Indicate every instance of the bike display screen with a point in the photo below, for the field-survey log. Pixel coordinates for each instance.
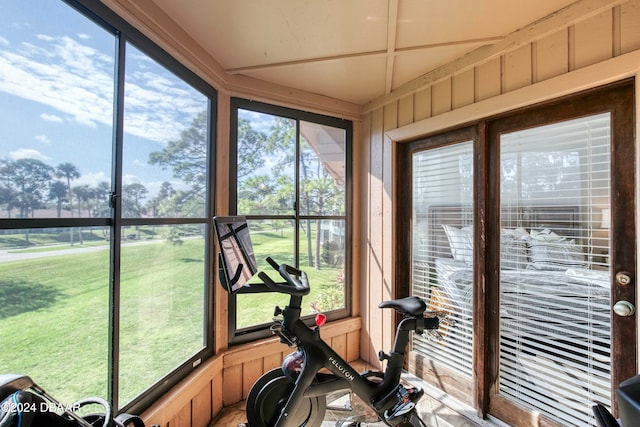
(237, 262)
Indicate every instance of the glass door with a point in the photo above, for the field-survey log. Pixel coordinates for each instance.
(442, 260)
(521, 231)
(560, 347)
(555, 333)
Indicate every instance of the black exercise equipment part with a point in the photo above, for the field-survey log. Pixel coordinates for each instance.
(23, 403)
(296, 394)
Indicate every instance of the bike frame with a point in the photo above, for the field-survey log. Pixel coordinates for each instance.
(309, 383)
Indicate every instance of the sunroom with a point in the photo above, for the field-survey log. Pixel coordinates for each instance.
(478, 155)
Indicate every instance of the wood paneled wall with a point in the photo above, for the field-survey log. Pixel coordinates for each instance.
(589, 35)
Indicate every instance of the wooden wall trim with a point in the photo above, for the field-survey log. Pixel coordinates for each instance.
(599, 74)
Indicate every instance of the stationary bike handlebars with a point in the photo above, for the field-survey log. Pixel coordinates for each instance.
(296, 281)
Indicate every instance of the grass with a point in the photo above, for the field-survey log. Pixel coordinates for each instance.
(54, 316)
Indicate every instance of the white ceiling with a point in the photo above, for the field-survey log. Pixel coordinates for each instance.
(352, 50)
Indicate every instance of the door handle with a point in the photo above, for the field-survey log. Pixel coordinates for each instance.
(624, 308)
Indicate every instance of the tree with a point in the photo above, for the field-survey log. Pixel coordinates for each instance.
(26, 182)
(8, 193)
(30, 179)
(251, 149)
(69, 172)
(84, 195)
(159, 204)
(319, 194)
(187, 157)
(273, 191)
(58, 193)
(132, 195)
(102, 208)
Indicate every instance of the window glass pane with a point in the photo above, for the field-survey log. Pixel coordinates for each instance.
(442, 248)
(56, 78)
(322, 170)
(322, 252)
(162, 310)
(265, 164)
(54, 310)
(165, 142)
(555, 336)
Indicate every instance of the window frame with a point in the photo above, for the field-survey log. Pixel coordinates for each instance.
(124, 34)
(255, 332)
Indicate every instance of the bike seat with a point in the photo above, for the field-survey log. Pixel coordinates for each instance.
(412, 306)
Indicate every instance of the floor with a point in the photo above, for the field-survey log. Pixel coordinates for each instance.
(434, 412)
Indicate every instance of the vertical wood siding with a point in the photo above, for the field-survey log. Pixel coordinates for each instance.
(558, 51)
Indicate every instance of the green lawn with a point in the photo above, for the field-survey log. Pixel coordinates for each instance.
(258, 308)
(54, 318)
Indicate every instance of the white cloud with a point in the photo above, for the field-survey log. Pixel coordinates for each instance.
(27, 153)
(76, 80)
(92, 179)
(84, 36)
(128, 179)
(51, 118)
(44, 37)
(43, 138)
(4, 42)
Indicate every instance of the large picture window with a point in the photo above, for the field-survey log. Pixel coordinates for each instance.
(292, 184)
(104, 206)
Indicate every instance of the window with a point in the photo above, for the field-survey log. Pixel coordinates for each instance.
(105, 206)
(292, 184)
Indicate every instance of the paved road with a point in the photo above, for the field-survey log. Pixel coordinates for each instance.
(13, 255)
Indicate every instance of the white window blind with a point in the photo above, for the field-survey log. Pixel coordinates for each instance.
(442, 243)
(554, 268)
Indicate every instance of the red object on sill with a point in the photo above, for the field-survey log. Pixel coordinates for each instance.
(321, 319)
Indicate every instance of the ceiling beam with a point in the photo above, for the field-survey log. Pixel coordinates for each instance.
(392, 32)
(241, 70)
(386, 53)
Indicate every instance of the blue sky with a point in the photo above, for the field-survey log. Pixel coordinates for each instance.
(56, 95)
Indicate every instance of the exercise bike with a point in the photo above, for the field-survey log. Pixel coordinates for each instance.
(296, 394)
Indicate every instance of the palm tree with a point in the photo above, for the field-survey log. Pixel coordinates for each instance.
(69, 172)
(84, 194)
(58, 192)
